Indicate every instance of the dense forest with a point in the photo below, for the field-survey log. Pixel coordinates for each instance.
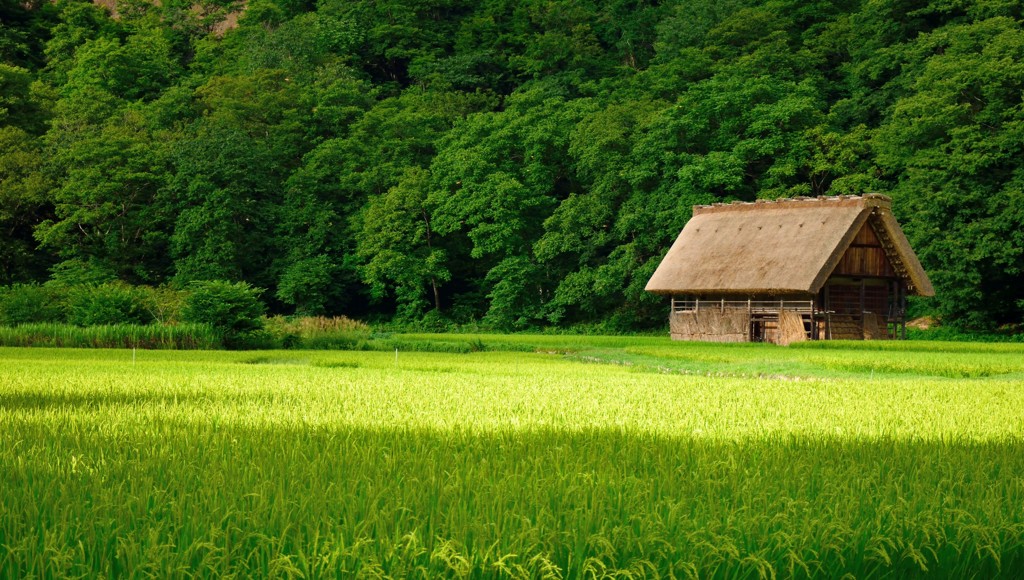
(517, 163)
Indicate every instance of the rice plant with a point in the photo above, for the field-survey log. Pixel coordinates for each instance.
(508, 464)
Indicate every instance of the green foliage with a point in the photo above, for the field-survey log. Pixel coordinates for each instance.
(78, 23)
(228, 175)
(23, 202)
(30, 303)
(397, 244)
(24, 31)
(108, 211)
(18, 108)
(317, 333)
(517, 163)
(232, 309)
(959, 136)
(953, 334)
(108, 304)
(149, 336)
(139, 68)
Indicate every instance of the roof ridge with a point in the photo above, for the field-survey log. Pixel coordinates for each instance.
(866, 200)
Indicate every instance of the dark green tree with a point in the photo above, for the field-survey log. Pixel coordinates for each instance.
(399, 247)
(229, 173)
(24, 202)
(108, 205)
(954, 148)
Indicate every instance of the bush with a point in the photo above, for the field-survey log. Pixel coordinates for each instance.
(107, 304)
(165, 304)
(953, 334)
(317, 332)
(31, 304)
(233, 309)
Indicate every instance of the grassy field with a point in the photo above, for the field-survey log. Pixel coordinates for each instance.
(592, 457)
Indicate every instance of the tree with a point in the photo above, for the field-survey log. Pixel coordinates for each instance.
(496, 178)
(24, 31)
(78, 23)
(954, 147)
(19, 107)
(230, 170)
(399, 248)
(226, 187)
(108, 204)
(139, 68)
(521, 161)
(579, 235)
(23, 203)
(232, 309)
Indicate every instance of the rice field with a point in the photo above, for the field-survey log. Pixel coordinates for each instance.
(531, 457)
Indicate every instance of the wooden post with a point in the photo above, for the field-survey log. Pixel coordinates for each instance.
(812, 324)
(903, 312)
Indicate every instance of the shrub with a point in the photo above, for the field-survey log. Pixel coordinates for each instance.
(110, 303)
(165, 304)
(317, 332)
(233, 309)
(29, 304)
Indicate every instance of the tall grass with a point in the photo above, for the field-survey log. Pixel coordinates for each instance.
(317, 332)
(150, 336)
(503, 464)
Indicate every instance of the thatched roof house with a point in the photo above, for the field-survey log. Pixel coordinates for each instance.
(842, 263)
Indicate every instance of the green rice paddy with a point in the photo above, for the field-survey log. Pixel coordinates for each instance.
(533, 456)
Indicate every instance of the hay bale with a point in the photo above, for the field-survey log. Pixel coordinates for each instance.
(871, 329)
(791, 328)
(845, 327)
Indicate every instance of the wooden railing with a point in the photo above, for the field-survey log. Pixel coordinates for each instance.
(752, 306)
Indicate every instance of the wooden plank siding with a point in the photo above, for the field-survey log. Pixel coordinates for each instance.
(865, 257)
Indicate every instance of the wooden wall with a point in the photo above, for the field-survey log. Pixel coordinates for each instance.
(864, 280)
(865, 257)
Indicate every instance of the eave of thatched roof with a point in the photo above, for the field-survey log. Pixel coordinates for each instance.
(778, 248)
(917, 279)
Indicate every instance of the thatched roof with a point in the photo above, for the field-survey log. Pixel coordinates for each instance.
(788, 246)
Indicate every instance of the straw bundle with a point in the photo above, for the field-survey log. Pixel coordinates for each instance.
(711, 325)
(871, 329)
(791, 328)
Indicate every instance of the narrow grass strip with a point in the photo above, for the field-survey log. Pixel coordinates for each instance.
(178, 337)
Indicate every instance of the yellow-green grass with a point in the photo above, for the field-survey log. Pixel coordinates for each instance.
(332, 464)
